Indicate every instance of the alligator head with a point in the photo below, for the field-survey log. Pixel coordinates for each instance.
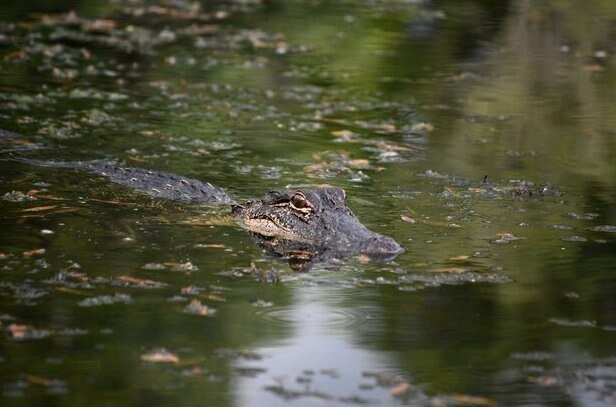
(312, 221)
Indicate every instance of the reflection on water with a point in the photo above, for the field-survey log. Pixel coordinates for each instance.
(319, 359)
(477, 134)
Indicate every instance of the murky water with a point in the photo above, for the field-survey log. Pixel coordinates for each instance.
(479, 135)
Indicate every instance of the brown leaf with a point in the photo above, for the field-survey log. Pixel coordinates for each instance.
(460, 257)
(190, 290)
(593, 68)
(99, 25)
(17, 331)
(39, 208)
(35, 252)
(400, 389)
(51, 197)
(408, 219)
(216, 298)
(38, 380)
(472, 400)
(69, 290)
(197, 308)
(160, 356)
(111, 202)
(507, 236)
(140, 281)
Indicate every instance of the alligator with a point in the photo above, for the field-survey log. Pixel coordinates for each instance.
(305, 226)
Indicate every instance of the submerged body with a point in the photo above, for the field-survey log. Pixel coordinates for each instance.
(318, 217)
(306, 224)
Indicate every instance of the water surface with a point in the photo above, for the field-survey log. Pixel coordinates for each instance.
(479, 135)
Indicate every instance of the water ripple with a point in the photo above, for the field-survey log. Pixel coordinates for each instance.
(307, 315)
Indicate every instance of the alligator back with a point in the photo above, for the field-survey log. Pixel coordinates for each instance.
(154, 183)
(162, 184)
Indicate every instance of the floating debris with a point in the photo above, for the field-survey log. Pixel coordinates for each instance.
(462, 400)
(400, 389)
(18, 196)
(72, 332)
(534, 356)
(559, 227)
(153, 266)
(197, 308)
(35, 252)
(139, 282)
(504, 238)
(160, 355)
(582, 216)
(191, 290)
(24, 332)
(187, 267)
(574, 238)
(54, 386)
(567, 323)
(408, 219)
(106, 300)
(262, 304)
(604, 228)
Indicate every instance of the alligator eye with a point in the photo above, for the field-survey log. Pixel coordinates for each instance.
(298, 200)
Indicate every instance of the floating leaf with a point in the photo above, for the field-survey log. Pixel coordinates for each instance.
(400, 389)
(211, 246)
(35, 252)
(25, 332)
(216, 298)
(191, 290)
(408, 219)
(160, 356)
(197, 308)
(261, 304)
(472, 400)
(105, 300)
(460, 257)
(188, 266)
(40, 208)
(17, 196)
(141, 282)
(604, 228)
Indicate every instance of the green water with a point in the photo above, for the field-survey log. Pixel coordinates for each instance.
(506, 291)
